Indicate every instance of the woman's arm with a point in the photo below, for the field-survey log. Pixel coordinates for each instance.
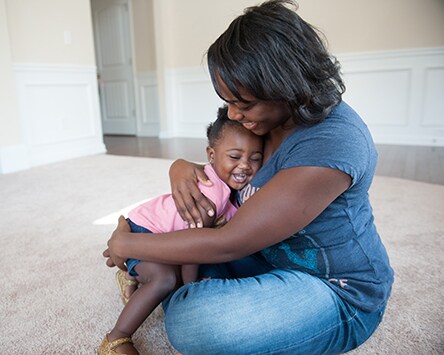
(286, 204)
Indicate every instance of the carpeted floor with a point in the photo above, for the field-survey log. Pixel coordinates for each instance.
(58, 297)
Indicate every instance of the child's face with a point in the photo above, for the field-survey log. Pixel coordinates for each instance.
(237, 156)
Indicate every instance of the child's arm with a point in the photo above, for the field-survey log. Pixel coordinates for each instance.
(189, 272)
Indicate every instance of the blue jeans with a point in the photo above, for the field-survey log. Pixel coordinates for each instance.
(131, 263)
(263, 311)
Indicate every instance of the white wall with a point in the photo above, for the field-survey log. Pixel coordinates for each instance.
(392, 55)
(50, 91)
(12, 152)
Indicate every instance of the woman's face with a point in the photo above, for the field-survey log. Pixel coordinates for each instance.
(260, 117)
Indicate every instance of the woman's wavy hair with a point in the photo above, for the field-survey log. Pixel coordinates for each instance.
(276, 56)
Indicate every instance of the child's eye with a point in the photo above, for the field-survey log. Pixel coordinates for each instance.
(235, 157)
(257, 158)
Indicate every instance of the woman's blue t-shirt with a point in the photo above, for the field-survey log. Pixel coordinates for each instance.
(341, 246)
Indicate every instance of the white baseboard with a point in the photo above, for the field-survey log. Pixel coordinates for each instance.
(59, 112)
(399, 94)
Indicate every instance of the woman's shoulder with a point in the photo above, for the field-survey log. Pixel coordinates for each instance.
(342, 124)
(343, 114)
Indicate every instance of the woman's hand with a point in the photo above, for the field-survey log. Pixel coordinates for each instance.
(110, 253)
(184, 176)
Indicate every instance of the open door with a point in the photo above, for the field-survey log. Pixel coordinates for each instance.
(112, 38)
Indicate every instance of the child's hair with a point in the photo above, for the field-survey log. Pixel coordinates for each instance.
(215, 129)
(276, 56)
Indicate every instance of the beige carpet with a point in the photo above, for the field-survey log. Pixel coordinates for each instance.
(58, 297)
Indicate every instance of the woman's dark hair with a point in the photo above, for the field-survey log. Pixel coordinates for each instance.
(215, 129)
(275, 55)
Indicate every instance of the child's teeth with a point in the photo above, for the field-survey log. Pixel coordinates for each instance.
(239, 177)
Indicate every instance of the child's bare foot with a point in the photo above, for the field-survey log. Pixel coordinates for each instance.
(127, 285)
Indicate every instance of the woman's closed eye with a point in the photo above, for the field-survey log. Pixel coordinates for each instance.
(245, 108)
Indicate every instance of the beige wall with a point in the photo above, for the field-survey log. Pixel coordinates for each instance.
(37, 31)
(143, 29)
(349, 25)
(37, 28)
(378, 25)
(193, 25)
(33, 31)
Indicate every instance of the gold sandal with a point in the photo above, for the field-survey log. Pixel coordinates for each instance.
(106, 348)
(123, 283)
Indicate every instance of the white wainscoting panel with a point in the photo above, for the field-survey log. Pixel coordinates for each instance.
(399, 94)
(433, 105)
(191, 102)
(148, 117)
(59, 112)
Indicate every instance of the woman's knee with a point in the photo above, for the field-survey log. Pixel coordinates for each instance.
(191, 321)
(250, 315)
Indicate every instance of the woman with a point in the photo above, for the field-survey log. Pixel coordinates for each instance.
(300, 268)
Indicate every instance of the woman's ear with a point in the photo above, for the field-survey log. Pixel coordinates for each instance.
(210, 154)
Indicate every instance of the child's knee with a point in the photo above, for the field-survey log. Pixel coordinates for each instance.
(164, 276)
(168, 280)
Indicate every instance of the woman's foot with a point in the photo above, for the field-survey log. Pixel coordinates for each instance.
(127, 285)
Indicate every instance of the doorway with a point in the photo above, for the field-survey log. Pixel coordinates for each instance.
(114, 57)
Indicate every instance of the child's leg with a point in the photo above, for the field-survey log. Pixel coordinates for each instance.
(156, 282)
(189, 273)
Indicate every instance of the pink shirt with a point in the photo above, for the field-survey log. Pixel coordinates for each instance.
(160, 215)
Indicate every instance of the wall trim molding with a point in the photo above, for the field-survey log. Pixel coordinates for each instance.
(64, 68)
(391, 54)
(59, 113)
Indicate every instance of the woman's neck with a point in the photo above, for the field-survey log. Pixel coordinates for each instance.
(275, 138)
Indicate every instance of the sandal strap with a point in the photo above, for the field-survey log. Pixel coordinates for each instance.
(117, 342)
(130, 282)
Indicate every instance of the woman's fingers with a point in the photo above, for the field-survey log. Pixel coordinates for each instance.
(187, 196)
(186, 207)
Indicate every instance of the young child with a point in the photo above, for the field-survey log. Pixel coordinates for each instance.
(235, 155)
